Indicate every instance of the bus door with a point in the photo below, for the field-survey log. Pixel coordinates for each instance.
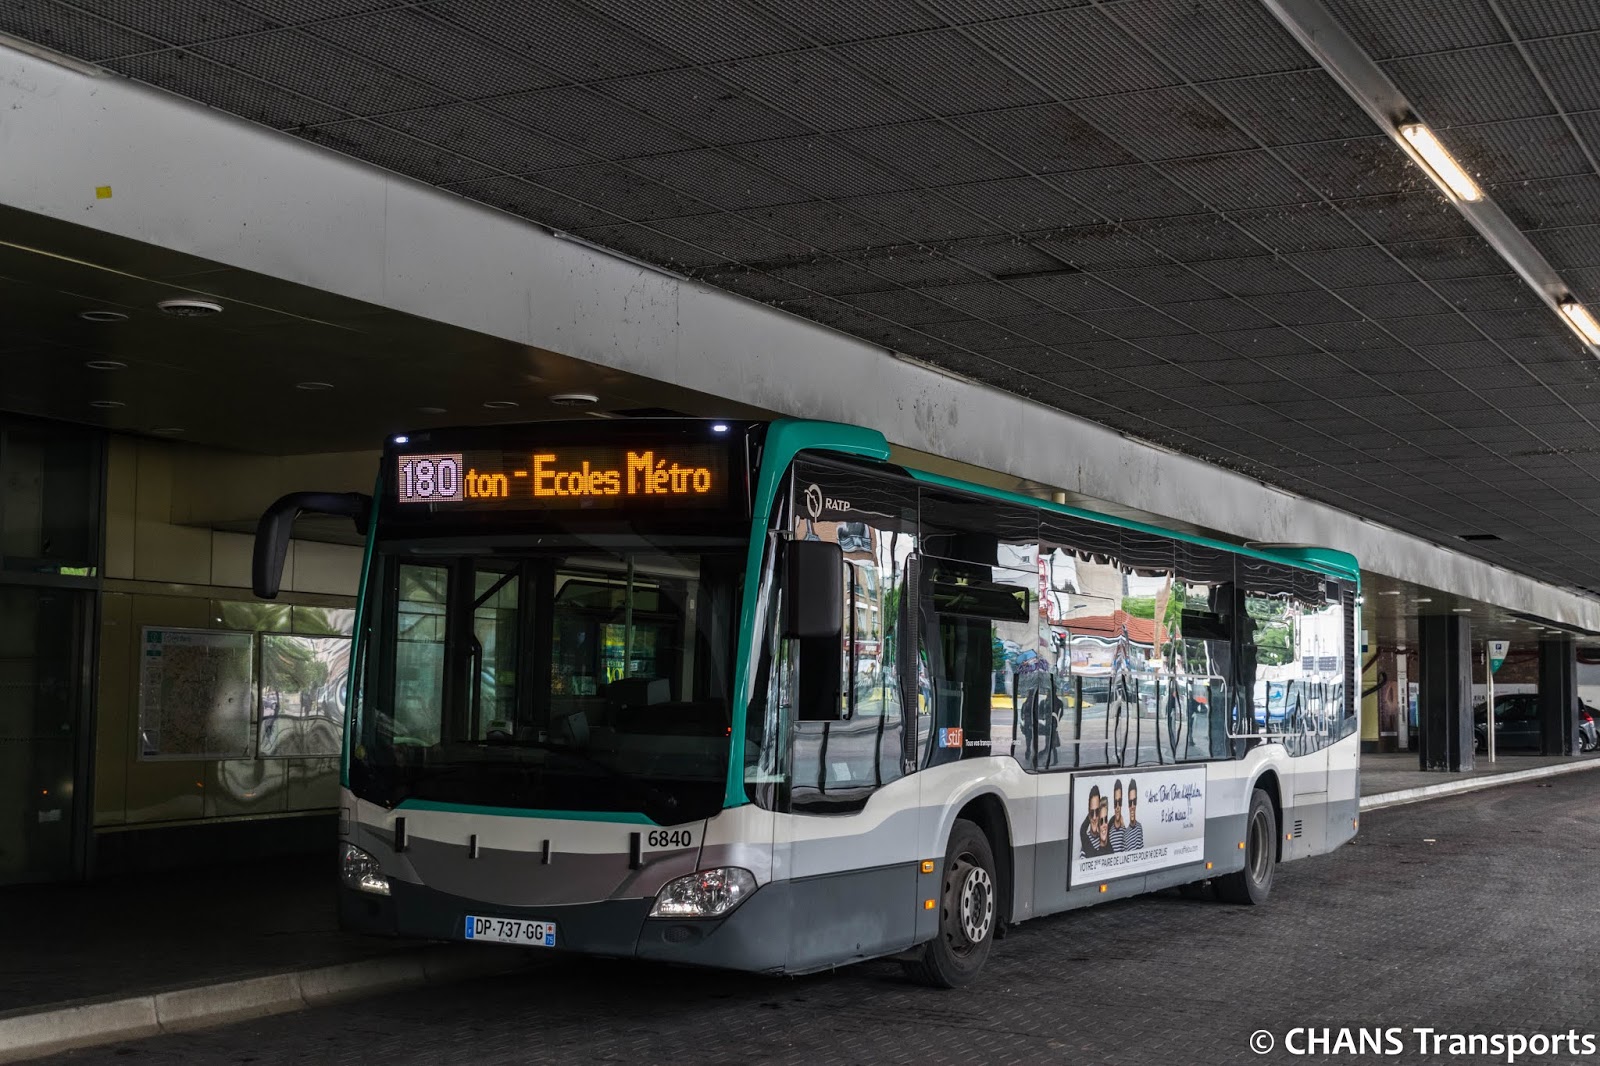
(1281, 660)
(848, 844)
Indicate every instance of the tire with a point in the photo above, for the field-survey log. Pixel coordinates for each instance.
(969, 911)
(1252, 885)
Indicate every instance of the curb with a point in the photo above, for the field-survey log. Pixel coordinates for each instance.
(86, 1024)
(1471, 784)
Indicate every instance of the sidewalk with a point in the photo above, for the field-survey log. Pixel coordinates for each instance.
(1389, 780)
(123, 958)
(185, 927)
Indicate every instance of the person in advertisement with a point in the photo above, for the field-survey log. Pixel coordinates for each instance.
(1133, 832)
(1115, 830)
(1094, 835)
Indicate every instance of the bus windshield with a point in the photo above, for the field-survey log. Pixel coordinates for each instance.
(572, 673)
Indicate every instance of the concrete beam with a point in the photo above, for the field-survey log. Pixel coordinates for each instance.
(195, 180)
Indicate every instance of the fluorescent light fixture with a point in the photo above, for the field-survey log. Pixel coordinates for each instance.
(720, 427)
(1581, 320)
(402, 439)
(1424, 599)
(1390, 592)
(1462, 610)
(1446, 171)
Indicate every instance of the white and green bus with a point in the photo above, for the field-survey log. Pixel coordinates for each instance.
(752, 695)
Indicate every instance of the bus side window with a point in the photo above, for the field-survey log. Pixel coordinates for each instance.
(1199, 649)
(1295, 622)
(1082, 587)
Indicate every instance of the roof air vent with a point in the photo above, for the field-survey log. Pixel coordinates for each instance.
(189, 307)
(574, 399)
(1477, 536)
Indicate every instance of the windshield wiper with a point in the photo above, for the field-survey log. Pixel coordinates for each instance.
(404, 790)
(654, 800)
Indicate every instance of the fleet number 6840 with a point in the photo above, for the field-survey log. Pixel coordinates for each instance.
(670, 838)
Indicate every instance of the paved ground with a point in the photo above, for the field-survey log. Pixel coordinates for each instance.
(1470, 915)
(141, 934)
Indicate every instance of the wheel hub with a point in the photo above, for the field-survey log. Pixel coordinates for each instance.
(976, 909)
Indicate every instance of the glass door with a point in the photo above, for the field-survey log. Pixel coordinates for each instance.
(43, 633)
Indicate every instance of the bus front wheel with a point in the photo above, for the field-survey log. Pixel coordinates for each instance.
(969, 910)
(1253, 884)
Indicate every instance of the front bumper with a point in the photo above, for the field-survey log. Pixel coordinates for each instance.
(750, 938)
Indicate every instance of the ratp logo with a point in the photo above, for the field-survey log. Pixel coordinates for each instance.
(814, 501)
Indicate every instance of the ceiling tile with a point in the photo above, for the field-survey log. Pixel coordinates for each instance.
(1481, 85)
(1237, 180)
(701, 106)
(943, 72)
(1569, 64)
(1164, 123)
(1221, 39)
(1073, 54)
(1386, 29)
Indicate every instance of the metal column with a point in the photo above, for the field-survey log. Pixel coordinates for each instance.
(1444, 698)
(1558, 696)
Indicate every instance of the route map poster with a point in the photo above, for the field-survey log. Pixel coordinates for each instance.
(1135, 821)
(195, 689)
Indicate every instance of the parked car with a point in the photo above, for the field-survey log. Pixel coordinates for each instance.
(1516, 723)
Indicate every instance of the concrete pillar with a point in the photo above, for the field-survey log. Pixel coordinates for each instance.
(1558, 695)
(1444, 697)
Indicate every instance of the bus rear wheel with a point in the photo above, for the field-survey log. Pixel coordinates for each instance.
(1253, 884)
(969, 908)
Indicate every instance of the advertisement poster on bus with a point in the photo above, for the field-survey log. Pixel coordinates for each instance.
(1136, 821)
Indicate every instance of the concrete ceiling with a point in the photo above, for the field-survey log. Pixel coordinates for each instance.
(283, 369)
(1161, 215)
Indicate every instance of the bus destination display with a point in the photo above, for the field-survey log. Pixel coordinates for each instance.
(689, 475)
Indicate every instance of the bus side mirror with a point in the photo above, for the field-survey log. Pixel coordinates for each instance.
(813, 590)
(276, 528)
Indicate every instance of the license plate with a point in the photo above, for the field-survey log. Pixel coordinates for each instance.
(511, 931)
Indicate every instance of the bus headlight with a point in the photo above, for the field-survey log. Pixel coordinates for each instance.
(707, 894)
(361, 871)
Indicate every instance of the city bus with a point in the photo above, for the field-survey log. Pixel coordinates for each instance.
(753, 695)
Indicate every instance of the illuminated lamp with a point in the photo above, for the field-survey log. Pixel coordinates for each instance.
(1581, 320)
(1443, 166)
